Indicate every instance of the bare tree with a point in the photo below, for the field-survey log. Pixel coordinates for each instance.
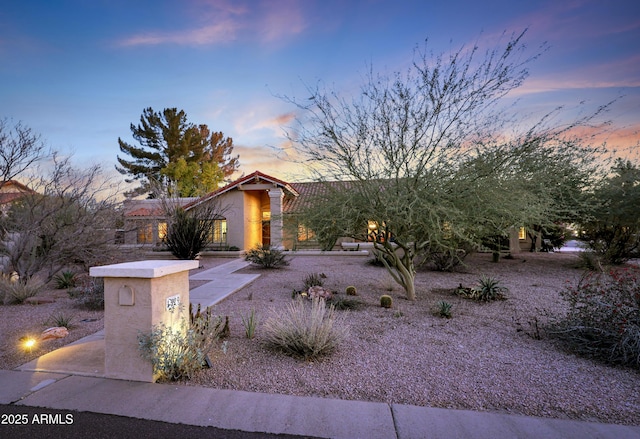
(68, 222)
(20, 148)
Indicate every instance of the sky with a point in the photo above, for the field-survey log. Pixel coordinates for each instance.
(80, 72)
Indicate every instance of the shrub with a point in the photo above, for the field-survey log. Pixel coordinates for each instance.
(61, 320)
(488, 289)
(313, 280)
(603, 320)
(177, 353)
(351, 291)
(386, 301)
(187, 234)
(267, 257)
(14, 292)
(65, 280)
(91, 295)
(306, 331)
(443, 309)
(342, 303)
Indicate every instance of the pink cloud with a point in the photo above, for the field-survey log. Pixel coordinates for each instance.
(221, 21)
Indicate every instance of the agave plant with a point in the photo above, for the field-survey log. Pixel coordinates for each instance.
(488, 289)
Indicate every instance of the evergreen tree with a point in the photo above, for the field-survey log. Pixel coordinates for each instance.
(173, 149)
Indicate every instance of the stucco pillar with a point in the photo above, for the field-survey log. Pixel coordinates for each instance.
(139, 296)
(276, 196)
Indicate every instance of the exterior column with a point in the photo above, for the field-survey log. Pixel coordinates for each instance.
(514, 241)
(276, 196)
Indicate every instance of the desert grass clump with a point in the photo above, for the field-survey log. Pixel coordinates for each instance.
(267, 257)
(61, 320)
(17, 291)
(305, 330)
(343, 303)
(313, 280)
(386, 301)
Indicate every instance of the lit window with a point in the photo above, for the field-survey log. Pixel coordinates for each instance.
(522, 233)
(162, 231)
(145, 234)
(305, 233)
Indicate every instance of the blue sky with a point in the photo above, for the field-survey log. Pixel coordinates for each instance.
(80, 72)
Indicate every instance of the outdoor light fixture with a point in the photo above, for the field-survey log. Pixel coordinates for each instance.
(28, 343)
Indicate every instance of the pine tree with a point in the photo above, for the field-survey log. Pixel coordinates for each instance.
(171, 146)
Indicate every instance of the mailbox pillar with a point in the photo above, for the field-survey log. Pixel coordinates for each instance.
(137, 297)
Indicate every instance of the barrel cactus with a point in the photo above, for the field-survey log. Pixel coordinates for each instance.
(386, 301)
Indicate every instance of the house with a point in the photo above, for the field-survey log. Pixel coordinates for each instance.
(252, 210)
(11, 191)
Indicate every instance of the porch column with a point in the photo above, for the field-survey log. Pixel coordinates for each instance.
(514, 241)
(276, 196)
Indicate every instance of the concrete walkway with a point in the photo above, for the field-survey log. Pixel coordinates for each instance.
(223, 281)
(72, 378)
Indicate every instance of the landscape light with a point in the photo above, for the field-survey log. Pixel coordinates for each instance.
(29, 343)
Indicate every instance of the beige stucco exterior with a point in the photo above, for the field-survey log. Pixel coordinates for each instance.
(135, 302)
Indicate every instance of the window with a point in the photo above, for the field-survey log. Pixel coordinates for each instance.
(305, 233)
(522, 233)
(145, 233)
(218, 232)
(162, 231)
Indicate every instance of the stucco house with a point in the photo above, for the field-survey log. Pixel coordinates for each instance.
(253, 210)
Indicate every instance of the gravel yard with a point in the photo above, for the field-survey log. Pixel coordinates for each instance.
(488, 356)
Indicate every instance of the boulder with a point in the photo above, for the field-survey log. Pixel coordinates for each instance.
(53, 333)
(318, 291)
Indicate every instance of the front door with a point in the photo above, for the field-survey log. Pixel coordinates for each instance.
(266, 233)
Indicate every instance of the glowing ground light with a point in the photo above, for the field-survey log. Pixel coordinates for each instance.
(29, 343)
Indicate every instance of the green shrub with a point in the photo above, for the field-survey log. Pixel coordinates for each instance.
(487, 289)
(177, 353)
(65, 280)
(15, 292)
(603, 319)
(267, 257)
(305, 330)
(443, 309)
(351, 291)
(187, 233)
(313, 280)
(342, 303)
(386, 301)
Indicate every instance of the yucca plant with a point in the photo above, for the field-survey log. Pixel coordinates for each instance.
(488, 289)
(65, 280)
(443, 309)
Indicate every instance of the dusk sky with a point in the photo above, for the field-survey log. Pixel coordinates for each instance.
(80, 72)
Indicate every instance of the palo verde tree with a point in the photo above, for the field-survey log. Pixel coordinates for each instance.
(177, 154)
(415, 148)
(613, 228)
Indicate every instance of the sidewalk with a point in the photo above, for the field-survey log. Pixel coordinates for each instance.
(72, 378)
